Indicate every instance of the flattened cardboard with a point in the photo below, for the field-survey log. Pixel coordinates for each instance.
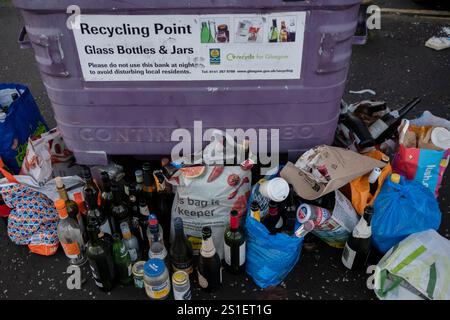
(343, 166)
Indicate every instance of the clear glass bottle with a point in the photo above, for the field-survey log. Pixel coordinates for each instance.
(69, 235)
(157, 249)
(95, 212)
(152, 221)
(131, 242)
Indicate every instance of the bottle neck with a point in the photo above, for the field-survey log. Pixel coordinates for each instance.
(179, 233)
(93, 235)
(63, 193)
(208, 250)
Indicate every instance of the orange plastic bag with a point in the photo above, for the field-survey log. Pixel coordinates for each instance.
(358, 190)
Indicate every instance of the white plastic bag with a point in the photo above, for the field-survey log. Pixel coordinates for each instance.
(415, 269)
(47, 156)
(207, 200)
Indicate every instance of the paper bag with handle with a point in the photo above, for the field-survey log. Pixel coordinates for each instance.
(324, 169)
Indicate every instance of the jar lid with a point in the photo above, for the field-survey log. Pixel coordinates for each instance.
(180, 277)
(138, 268)
(154, 267)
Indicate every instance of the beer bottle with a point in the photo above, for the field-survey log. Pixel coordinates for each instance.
(209, 266)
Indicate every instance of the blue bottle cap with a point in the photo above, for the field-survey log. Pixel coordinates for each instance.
(154, 267)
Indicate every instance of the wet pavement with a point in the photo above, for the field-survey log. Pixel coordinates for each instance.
(394, 63)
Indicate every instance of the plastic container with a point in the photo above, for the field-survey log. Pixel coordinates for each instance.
(295, 87)
(156, 279)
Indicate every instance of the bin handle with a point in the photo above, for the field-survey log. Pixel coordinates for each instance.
(24, 44)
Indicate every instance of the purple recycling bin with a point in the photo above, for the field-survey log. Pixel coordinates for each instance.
(123, 75)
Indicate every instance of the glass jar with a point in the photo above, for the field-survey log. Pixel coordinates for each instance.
(181, 286)
(138, 274)
(156, 279)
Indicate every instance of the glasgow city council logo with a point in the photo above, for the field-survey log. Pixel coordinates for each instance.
(214, 56)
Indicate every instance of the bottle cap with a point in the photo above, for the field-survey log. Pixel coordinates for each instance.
(60, 205)
(385, 158)
(154, 268)
(206, 232)
(395, 178)
(59, 182)
(139, 176)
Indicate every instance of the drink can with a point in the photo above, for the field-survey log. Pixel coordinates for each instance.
(181, 286)
(316, 214)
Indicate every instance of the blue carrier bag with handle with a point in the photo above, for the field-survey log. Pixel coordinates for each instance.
(19, 119)
(402, 209)
(270, 258)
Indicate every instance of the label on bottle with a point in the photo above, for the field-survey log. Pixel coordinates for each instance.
(129, 269)
(95, 275)
(105, 227)
(158, 292)
(202, 280)
(138, 282)
(185, 266)
(182, 295)
(133, 254)
(377, 128)
(348, 256)
(72, 250)
(227, 253)
(144, 211)
(279, 223)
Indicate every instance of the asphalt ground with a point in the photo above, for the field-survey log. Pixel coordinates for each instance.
(394, 63)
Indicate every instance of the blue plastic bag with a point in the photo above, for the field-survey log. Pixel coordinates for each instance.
(269, 257)
(23, 120)
(401, 210)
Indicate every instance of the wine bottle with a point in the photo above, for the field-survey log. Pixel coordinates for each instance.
(89, 183)
(181, 249)
(139, 175)
(234, 245)
(106, 196)
(95, 212)
(148, 189)
(69, 235)
(384, 127)
(357, 248)
(359, 129)
(164, 203)
(100, 258)
(119, 209)
(122, 261)
(283, 32)
(134, 214)
(273, 221)
(209, 266)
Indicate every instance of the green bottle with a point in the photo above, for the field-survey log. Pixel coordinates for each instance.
(122, 261)
(205, 34)
(273, 35)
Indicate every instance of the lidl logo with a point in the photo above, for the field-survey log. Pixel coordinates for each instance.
(214, 56)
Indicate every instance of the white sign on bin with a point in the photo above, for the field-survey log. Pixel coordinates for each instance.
(191, 47)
